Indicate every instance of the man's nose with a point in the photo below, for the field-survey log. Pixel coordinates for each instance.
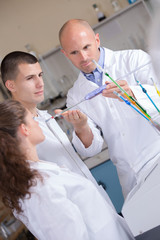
(39, 82)
(83, 55)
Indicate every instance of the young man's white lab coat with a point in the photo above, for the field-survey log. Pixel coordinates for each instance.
(133, 143)
(67, 206)
(58, 149)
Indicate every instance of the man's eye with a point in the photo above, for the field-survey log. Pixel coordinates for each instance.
(74, 52)
(86, 47)
(29, 78)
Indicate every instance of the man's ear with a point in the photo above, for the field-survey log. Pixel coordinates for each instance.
(62, 50)
(97, 39)
(10, 85)
(24, 129)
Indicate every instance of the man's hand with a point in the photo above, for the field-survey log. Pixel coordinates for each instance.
(80, 124)
(75, 117)
(108, 92)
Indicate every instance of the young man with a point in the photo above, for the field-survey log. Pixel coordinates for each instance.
(22, 75)
(133, 143)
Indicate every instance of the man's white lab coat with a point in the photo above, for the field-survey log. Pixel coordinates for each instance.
(66, 206)
(133, 143)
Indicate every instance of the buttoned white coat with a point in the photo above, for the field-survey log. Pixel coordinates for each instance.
(66, 206)
(133, 143)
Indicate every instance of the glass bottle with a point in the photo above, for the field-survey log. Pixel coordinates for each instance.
(116, 6)
(100, 15)
(132, 1)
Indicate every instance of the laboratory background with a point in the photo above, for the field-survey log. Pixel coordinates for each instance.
(33, 26)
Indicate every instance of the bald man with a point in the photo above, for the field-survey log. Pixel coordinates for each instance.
(133, 143)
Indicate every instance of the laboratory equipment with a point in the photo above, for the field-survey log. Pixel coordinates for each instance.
(153, 123)
(130, 104)
(100, 14)
(158, 92)
(141, 207)
(116, 6)
(131, 1)
(89, 96)
(135, 70)
(145, 91)
(130, 98)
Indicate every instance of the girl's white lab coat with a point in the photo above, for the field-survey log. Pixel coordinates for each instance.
(131, 140)
(58, 149)
(67, 206)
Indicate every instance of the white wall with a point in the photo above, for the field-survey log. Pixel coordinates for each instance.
(37, 22)
(155, 5)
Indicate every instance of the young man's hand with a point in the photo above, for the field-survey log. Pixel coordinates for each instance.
(80, 124)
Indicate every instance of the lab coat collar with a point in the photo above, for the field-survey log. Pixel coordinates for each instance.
(83, 81)
(109, 54)
(108, 64)
(42, 113)
(43, 165)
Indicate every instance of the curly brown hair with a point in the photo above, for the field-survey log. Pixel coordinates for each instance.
(16, 176)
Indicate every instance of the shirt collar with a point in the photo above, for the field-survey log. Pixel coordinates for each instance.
(101, 59)
(100, 62)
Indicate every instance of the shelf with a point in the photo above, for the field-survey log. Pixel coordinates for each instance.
(3, 214)
(18, 231)
(7, 214)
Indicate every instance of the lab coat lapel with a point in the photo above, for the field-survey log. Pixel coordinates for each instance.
(56, 130)
(111, 66)
(45, 166)
(95, 108)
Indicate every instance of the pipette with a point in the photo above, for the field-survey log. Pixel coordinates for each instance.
(158, 92)
(145, 91)
(130, 98)
(89, 96)
(130, 104)
(135, 70)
